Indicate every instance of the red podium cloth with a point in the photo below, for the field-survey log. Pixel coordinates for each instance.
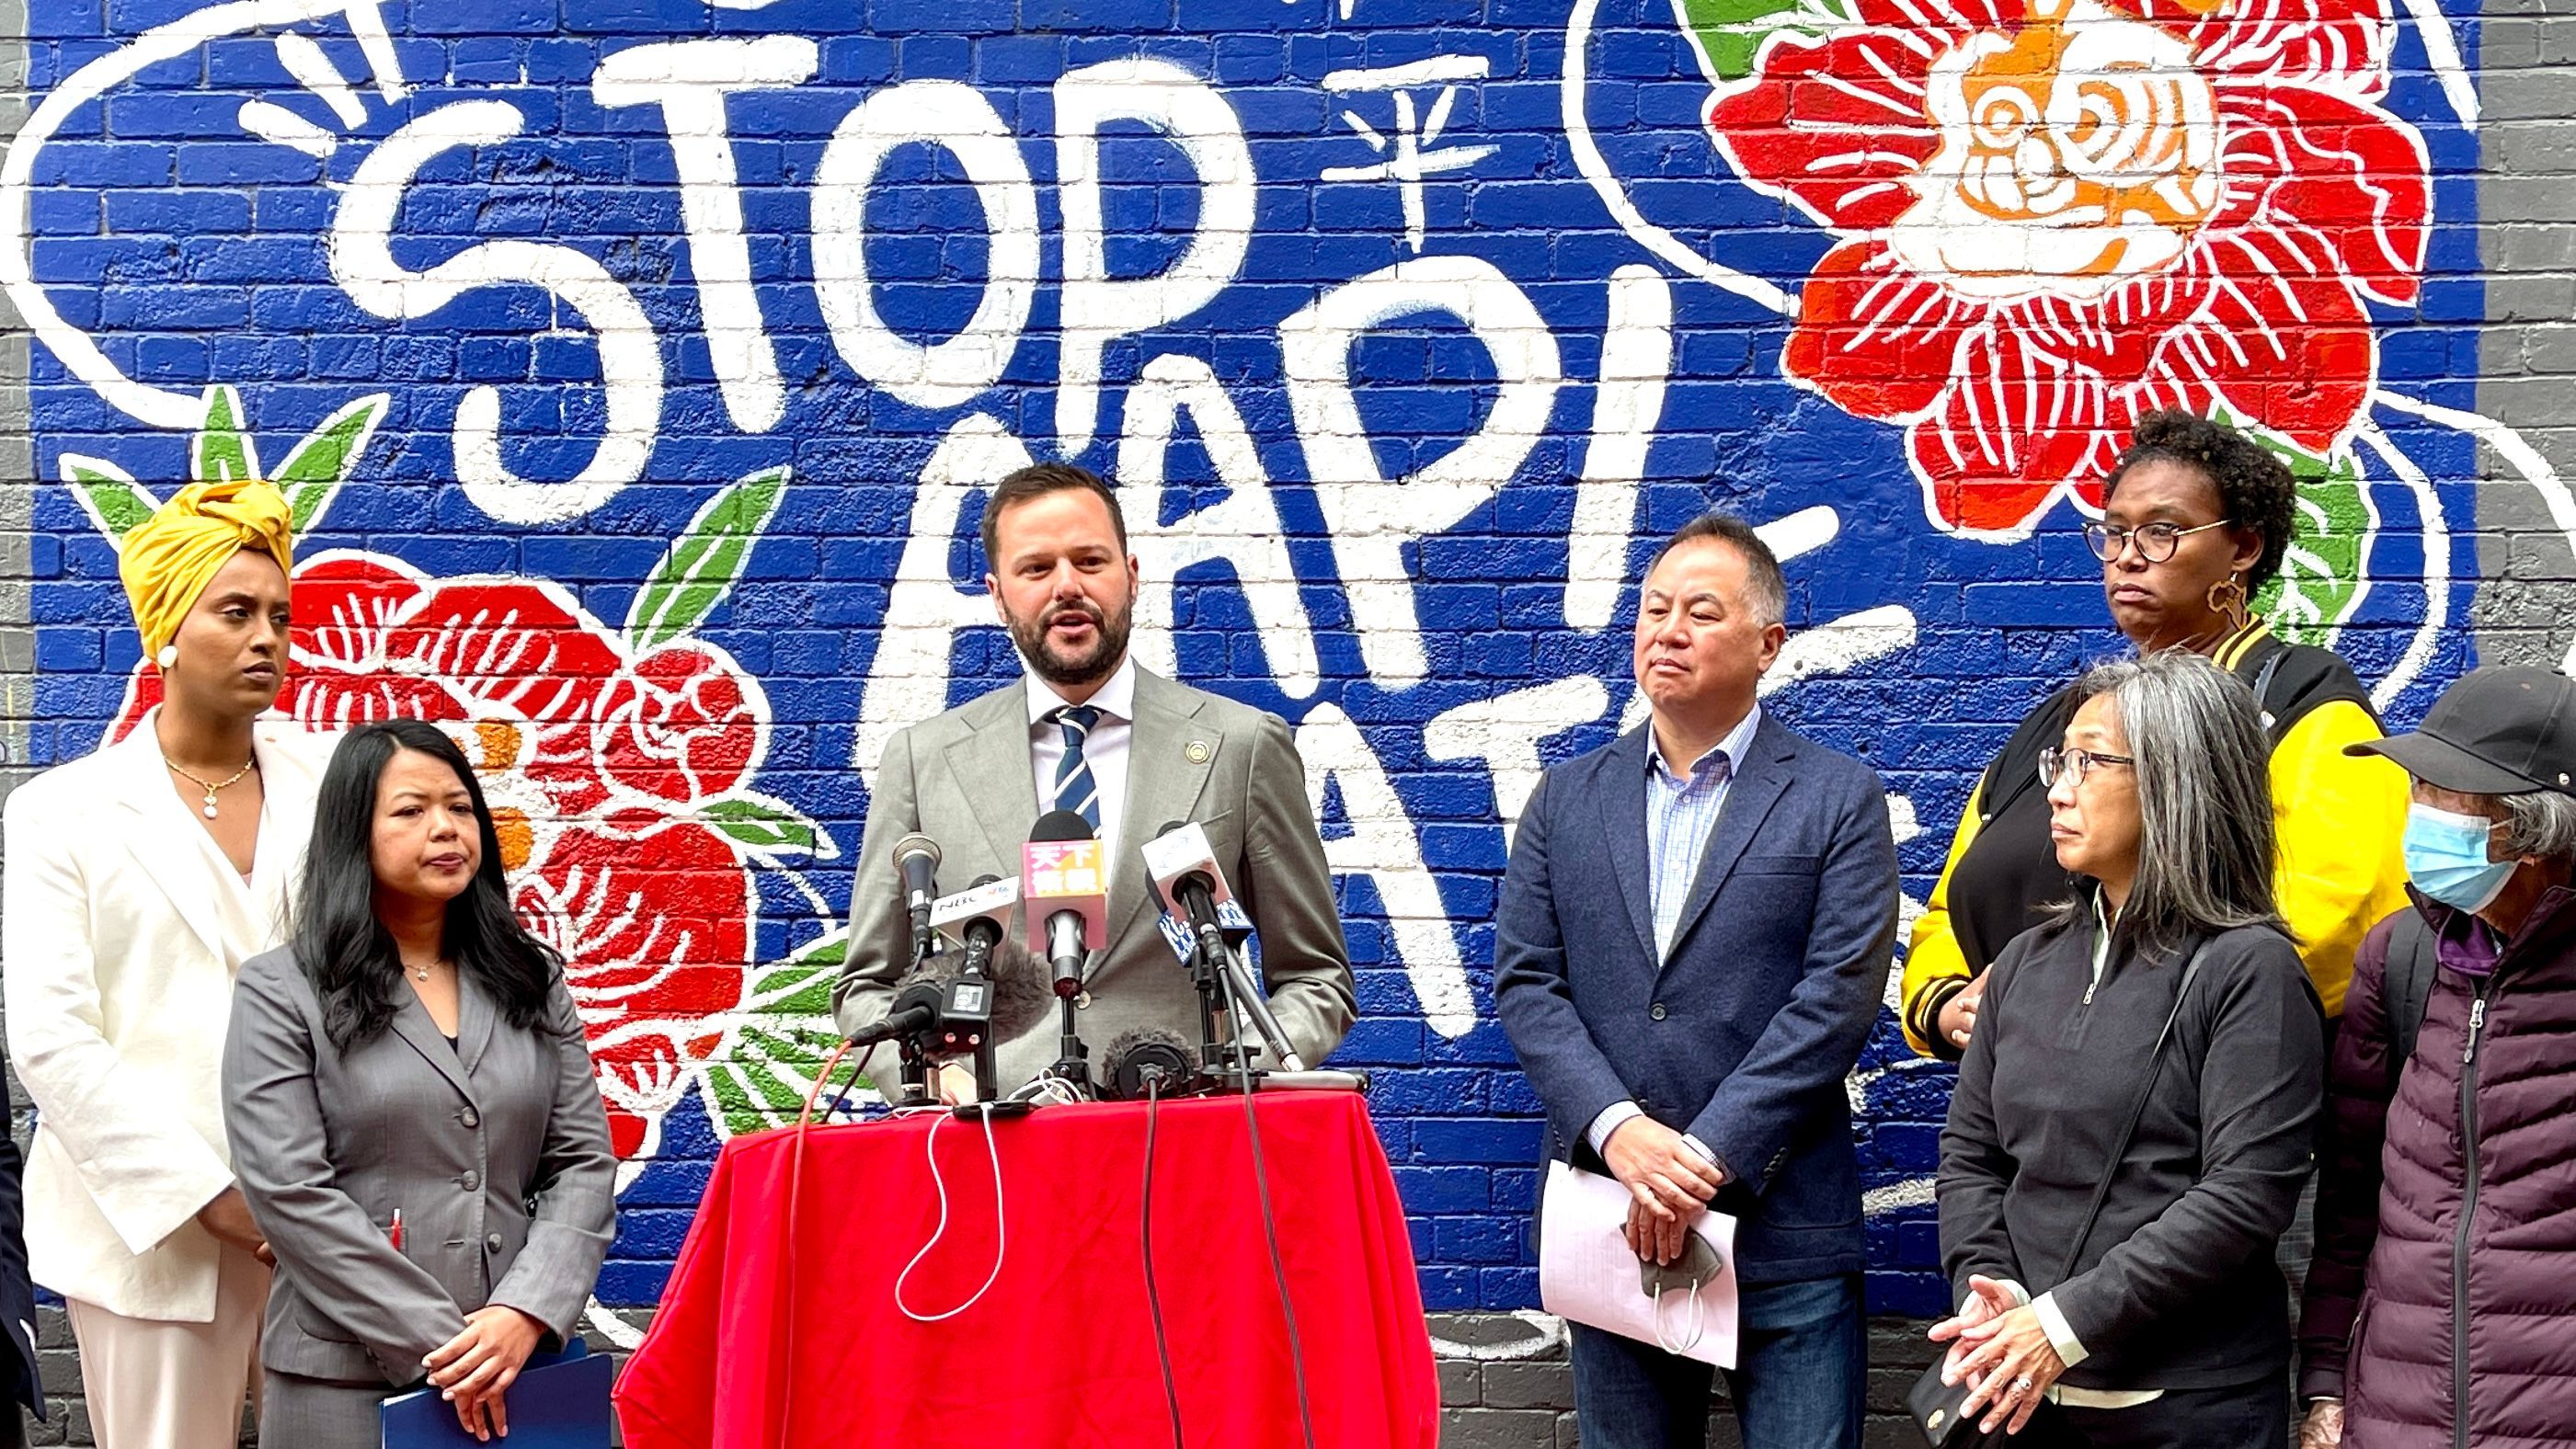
(1059, 1354)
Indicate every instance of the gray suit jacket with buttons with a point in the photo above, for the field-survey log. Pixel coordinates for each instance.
(496, 1151)
(963, 778)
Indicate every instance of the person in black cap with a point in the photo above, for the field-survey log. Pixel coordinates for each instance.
(2440, 1296)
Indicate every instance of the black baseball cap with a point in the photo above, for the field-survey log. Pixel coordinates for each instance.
(2502, 730)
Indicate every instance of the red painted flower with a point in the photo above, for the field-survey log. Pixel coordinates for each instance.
(597, 764)
(2060, 214)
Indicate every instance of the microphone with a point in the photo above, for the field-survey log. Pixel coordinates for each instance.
(1187, 881)
(916, 859)
(1147, 1057)
(1061, 882)
(977, 918)
(920, 999)
(1186, 875)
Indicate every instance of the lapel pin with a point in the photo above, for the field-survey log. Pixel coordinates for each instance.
(1196, 752)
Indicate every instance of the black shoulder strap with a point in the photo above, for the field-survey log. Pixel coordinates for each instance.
(2407, 986)
(2129, 1133)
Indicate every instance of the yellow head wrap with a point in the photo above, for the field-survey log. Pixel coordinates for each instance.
(168, 559)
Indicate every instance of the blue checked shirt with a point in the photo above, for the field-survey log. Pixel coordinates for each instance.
(1681, 815)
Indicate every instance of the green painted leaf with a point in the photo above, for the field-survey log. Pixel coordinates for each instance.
(2321, 582)
(323, 460)
(772, 827)
(1728, 34)
(113, 501)
(223, 448)
(704, 562)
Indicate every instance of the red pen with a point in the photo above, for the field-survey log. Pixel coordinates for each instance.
(396, 1231)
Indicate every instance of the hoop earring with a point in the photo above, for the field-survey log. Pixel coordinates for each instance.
(168, 656)
(2227, 597)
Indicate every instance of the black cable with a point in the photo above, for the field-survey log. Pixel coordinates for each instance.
(1153, 1295)
(1278, 1268)
(843, 1099)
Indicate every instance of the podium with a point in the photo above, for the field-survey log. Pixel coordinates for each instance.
(772, 1333)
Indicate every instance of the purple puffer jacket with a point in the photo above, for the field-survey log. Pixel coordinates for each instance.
(2460, 1197)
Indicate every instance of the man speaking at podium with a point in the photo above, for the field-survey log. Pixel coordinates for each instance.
(1085, 730)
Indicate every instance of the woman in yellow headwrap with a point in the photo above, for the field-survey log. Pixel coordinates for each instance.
(138, 878)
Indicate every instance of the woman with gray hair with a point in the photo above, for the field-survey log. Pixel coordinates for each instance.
(2439, 1306)
(2134, 1116)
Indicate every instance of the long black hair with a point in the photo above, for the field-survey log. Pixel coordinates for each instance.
(347, 953)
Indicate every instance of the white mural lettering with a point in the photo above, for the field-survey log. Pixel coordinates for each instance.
(1627, 406)
(924, 609)
(1381, 845)
(1412, 145)
(630, 360)
(956, 118)
(689, 81)
(1370, 518)
(1099, 308)
(1504, 732)
(1244, 531)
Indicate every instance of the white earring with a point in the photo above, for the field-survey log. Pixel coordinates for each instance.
(168, 656)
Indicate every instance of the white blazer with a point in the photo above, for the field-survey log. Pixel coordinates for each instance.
(117, 959)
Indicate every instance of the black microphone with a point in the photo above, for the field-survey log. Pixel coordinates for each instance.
(916, 858)
(1148, 1057)
(919, 1001)
(1022, 991)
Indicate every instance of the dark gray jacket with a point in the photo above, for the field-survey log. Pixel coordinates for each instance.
(2175, 1287)
(496, 1151)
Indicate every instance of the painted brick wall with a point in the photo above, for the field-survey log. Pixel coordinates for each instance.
(638, 363)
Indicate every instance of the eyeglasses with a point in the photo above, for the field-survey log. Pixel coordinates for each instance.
(2054, 762)
(2156, 541)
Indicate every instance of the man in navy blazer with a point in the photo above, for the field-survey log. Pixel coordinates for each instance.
(1692, 945)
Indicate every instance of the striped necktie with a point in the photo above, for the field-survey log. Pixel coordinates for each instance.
(1075, 790)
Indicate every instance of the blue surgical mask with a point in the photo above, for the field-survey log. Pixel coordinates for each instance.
(2446, 857)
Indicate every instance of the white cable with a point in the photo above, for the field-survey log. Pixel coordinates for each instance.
(1001, 1223)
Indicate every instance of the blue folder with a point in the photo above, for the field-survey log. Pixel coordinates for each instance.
(559, 1401)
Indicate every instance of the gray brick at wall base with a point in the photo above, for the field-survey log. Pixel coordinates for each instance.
(1519, 1396)
(1526, 1400)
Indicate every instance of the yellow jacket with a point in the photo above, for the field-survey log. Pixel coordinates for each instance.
(2339, 821)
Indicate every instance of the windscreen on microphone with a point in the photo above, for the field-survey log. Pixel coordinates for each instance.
(1062, 825)
(1023, 991)
(1146, 1054)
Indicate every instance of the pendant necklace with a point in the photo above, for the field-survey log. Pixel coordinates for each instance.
(210, 789)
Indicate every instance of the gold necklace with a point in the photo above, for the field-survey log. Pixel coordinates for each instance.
(420, 973)
(211, 789)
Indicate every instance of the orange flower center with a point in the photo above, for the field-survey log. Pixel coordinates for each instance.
(2090, 136)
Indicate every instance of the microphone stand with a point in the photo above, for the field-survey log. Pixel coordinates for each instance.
(1247, 1078)
(915, 1062)
(1073, 1058)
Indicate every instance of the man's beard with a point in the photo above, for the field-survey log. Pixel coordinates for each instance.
(1108, 644)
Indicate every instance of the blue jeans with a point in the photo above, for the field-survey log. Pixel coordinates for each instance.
(1802, 1360)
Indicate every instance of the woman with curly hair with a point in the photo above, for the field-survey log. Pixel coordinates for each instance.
(2195, 519)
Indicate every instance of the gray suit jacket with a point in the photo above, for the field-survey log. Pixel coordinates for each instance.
(963, 779)
(496, 1151)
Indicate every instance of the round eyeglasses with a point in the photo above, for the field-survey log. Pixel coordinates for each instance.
(2054, 762)
(2156, 541)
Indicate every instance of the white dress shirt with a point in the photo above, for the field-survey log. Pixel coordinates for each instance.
(1104, 749)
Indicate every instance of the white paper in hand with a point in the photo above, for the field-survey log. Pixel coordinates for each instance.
(1587, 1273)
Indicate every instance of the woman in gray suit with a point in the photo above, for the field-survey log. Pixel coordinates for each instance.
(411, 1110)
